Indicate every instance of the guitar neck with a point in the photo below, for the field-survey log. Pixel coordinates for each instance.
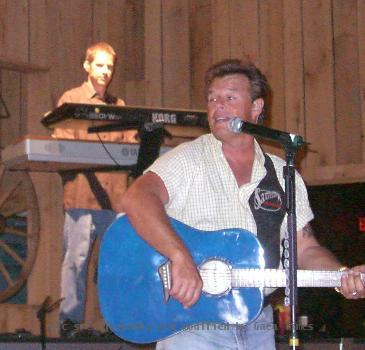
(277, 278)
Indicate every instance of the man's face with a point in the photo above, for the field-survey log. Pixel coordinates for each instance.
(229, 97)
(100, 70)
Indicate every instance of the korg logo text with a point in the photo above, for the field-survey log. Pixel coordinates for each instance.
(168, 118)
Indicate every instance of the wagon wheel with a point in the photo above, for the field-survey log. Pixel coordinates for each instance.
(19, 230)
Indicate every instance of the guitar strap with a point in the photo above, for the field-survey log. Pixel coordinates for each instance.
(99, 192)
(267, 203)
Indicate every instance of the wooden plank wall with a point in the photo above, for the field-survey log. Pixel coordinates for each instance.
(313, 53)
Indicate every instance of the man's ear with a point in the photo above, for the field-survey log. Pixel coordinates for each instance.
(87, 66)
(258, 107)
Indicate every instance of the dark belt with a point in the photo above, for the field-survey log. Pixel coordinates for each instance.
(273, 298)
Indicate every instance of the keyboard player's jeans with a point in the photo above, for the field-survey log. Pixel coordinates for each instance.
(81, 228)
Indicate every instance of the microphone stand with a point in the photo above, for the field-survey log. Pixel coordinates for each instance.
(291, 144)
(41, 315)
(291, 291)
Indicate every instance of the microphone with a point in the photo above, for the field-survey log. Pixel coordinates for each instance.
(237, 125)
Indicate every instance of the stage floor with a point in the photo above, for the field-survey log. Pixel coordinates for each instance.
(60, 344)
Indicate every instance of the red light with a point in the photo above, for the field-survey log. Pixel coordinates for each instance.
(362, 224)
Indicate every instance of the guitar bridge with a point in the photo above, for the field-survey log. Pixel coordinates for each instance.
(165, 275)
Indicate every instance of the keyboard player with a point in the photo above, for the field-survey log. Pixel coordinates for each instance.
(91, 199)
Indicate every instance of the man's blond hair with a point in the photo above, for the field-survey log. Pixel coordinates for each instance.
(101, 46)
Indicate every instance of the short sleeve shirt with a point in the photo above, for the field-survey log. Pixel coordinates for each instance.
(204, 193)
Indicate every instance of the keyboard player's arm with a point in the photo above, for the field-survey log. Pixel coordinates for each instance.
(60, 133)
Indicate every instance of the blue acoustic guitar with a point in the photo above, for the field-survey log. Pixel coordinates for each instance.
(134, 281)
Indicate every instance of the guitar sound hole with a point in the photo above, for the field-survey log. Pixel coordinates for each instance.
(216, 276)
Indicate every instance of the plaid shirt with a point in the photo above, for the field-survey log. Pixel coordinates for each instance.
(203, 191)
